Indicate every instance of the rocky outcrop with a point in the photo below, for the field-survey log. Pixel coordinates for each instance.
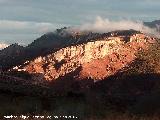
(97, 59)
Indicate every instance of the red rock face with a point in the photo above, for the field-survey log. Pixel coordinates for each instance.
(109, 65)
(101, 68)
(98, 59)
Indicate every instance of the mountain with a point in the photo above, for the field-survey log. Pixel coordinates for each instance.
(11, 55)
(119, 66)
(96, 56)
(49, 43)
(154, 24)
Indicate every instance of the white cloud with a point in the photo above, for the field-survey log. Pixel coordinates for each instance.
(3, 46)
(24, 32)
(38, 27)
(106, 25)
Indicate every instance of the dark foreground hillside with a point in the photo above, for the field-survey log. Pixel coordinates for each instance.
(132, 97)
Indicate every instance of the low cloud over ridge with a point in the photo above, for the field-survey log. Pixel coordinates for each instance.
(105, 25)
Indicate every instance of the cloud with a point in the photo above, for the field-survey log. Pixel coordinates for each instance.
(38, 27)
(3, 46)
(16, 16)
(24, 32)
(105, 25)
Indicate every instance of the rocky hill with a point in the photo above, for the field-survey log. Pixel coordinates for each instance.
(12, 55)
(49, 43)
(154, 24)
(96, 57)
(83, 64)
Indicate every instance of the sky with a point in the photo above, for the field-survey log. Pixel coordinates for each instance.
(22, 21)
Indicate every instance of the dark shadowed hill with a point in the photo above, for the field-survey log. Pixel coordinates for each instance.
(12, 55)
(154, 24)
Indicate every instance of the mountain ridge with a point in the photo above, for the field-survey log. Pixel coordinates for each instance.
(52, 42)
(111, 49)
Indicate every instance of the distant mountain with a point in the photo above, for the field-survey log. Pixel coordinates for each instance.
(13, 49)
(12, 55)
(154, 24)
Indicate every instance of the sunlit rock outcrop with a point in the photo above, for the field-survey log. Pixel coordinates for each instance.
(97, 59)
